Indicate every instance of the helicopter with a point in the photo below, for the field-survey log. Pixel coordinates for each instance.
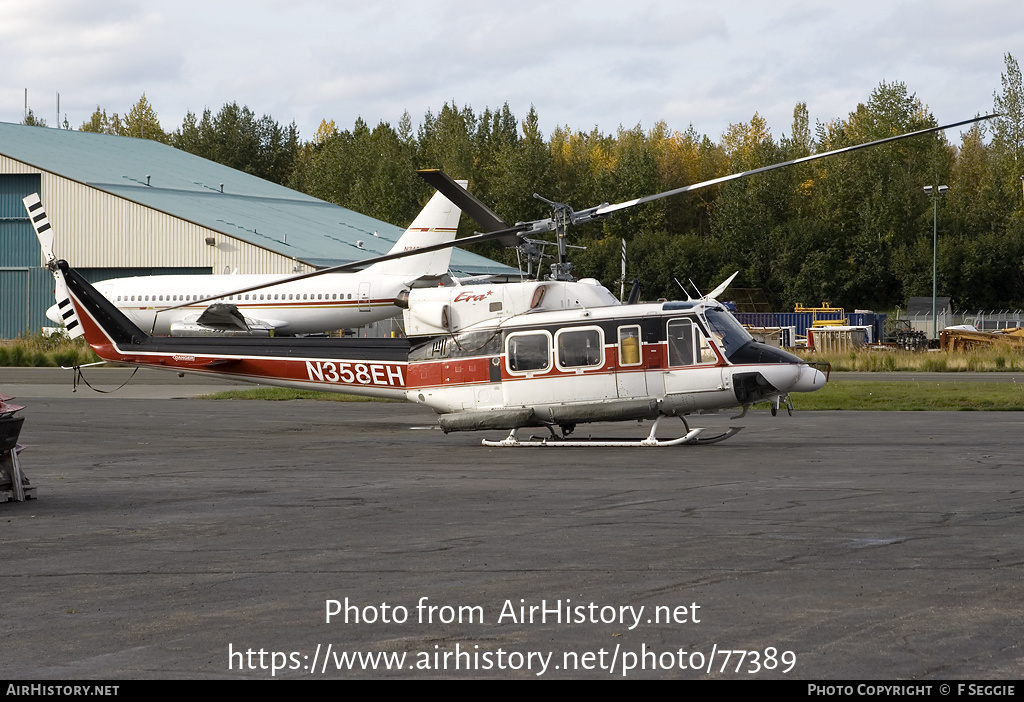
(550, 354)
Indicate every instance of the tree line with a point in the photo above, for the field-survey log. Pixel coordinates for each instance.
(854, 230)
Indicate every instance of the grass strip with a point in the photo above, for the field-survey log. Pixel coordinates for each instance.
(906, 396)
(279, 394)
(912, 396)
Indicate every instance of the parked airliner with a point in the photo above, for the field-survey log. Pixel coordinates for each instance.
(322, 304)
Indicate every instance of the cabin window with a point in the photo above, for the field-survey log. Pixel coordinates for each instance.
(580, 348)
(629, 346)
(528, 352)
(680, 342)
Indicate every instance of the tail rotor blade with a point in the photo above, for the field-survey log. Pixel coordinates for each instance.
(41, 223)
(44, 232)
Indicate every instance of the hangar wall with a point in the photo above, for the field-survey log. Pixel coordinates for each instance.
(104, 234)
(26, 290)
(96, 229)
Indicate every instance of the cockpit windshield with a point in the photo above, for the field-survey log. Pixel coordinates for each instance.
(726, 330)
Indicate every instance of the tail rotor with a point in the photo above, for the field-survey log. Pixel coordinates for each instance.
(64, 311)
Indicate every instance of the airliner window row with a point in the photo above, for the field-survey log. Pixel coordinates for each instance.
(188, 298)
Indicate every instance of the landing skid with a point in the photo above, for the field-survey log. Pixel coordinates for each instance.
(692, 436)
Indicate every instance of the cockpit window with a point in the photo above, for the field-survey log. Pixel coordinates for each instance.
(729, 332)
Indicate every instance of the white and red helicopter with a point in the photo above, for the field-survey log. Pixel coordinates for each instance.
(549, 353)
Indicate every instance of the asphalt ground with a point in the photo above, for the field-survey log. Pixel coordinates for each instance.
(179, 538)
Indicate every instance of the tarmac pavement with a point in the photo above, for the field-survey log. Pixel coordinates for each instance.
(180, 538)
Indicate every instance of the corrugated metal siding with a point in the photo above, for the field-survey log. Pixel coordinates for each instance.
(212, 196)
(40, 286)
(97, 230)
(14, 309)
(18, 244)
(25, 289)
(25, 294)
(13, 187)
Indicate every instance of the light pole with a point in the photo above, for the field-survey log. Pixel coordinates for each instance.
(935, 193)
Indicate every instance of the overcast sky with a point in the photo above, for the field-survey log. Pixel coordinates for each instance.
(581, 64)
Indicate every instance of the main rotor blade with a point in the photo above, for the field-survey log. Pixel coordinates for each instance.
(509, 236)
(608, 209)
(481, 213)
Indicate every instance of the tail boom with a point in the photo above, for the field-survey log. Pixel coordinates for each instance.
(370, 367)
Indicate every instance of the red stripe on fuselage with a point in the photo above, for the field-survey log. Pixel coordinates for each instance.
(476, 370)
(332, 374)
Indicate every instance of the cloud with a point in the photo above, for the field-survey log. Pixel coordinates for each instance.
(581, 64)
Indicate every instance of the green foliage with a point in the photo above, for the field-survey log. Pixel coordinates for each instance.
(32, 121)
(141, 122)
(45, 351)
(855, 230)
(18, 357)
(66, 358)
(1008, 136)
(99, 123)
(235, 137)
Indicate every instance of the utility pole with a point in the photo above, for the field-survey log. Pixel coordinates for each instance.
(935, 193)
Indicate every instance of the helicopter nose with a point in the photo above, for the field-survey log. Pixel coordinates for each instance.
(809, 380)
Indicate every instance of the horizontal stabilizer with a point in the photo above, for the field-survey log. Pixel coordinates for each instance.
(222, 316)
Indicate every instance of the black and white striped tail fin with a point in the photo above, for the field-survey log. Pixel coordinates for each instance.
(65, 307)
(44, 232)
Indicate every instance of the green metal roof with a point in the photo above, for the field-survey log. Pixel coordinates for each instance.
(180, 184)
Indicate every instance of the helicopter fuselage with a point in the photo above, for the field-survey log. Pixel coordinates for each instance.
(604, 364)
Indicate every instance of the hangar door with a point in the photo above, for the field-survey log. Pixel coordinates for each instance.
(26, 290)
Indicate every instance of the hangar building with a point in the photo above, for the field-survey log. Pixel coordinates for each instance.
(123, 207)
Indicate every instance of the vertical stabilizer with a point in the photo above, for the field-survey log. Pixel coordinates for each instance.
(437, 223)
